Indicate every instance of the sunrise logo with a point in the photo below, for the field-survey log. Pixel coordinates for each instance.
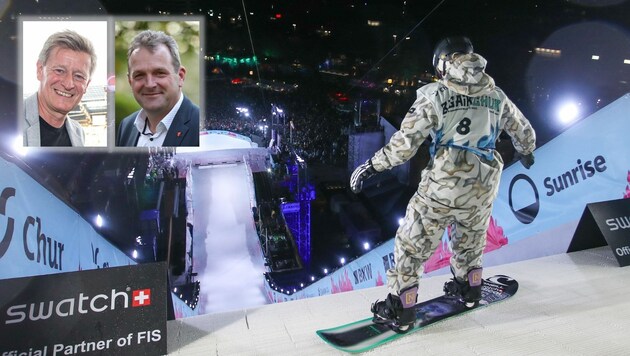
(528, 213)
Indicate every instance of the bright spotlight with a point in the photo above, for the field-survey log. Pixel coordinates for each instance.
(568, 112)
(134, 254)
(99, 220)
(401, 221)
(342, 261)
(366, 246)
(325, 270)
(18, 146)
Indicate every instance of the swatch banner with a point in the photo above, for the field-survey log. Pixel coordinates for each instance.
(40, 234)
(605, 223)
(111, 311)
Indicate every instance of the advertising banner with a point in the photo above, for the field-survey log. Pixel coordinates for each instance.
(537, 210)
(605, 223)
(110, 311)
(364, 272)
(40, 234)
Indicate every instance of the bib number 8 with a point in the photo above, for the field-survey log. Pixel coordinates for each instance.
(464, 126)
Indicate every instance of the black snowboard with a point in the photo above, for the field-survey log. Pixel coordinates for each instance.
(364, 335)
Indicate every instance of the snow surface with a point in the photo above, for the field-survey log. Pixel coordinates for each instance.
(567, 304)
(226, 251)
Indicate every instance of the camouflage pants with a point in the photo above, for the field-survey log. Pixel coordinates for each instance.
(421, 232)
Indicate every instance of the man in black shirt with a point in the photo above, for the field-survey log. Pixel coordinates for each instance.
(53, 136)
(64, 67)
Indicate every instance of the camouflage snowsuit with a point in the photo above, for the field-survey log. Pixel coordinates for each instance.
(464, 113)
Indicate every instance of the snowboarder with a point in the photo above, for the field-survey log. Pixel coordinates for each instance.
(464, 113)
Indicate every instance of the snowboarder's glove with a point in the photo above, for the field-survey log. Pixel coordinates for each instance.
(360, 174)
(527, 160)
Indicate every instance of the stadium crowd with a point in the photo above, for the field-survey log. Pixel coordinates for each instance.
(310, 124)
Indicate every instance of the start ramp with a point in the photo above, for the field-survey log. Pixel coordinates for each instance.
(567, 304)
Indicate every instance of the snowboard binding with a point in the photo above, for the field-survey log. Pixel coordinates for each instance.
(469, 292)
(397, 312)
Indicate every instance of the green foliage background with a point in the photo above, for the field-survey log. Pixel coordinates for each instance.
(187, 35)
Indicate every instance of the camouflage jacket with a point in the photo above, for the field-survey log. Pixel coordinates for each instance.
(464, 114)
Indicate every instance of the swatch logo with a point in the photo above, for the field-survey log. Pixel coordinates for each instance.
(81, 304)
(528, 213)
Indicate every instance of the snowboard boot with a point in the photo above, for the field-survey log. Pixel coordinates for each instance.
(398, 312)
(468, 291)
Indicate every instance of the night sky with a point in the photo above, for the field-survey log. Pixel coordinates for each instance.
(505, 32)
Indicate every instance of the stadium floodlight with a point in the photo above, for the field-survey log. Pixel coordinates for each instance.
(18, 146)
(568, 112)
(99, 220)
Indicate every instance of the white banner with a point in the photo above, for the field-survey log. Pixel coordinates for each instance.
(537, 210)
(40, 234)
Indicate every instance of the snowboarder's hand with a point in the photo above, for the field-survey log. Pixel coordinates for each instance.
(360, 174)
(527, 160)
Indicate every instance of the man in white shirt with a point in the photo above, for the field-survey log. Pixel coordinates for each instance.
(156, 77)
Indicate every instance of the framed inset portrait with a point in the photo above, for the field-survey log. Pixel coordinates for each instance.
(64, 83)
(158, 82)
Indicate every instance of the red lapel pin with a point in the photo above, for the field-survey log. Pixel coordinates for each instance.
(179, 133)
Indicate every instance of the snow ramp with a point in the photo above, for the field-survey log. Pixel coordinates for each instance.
(567, 304)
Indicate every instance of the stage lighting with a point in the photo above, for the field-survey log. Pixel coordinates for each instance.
(568, 112)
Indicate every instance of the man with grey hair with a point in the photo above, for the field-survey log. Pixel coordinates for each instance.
(64, 69)
(167, 117)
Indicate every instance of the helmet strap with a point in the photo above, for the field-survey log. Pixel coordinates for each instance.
(441, 67)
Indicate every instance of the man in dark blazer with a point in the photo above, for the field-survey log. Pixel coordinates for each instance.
(156, 77)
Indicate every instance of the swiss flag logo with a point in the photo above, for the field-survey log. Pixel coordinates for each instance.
(141, 298)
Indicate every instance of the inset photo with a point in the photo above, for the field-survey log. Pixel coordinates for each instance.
(64, 83)
(158, 83)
